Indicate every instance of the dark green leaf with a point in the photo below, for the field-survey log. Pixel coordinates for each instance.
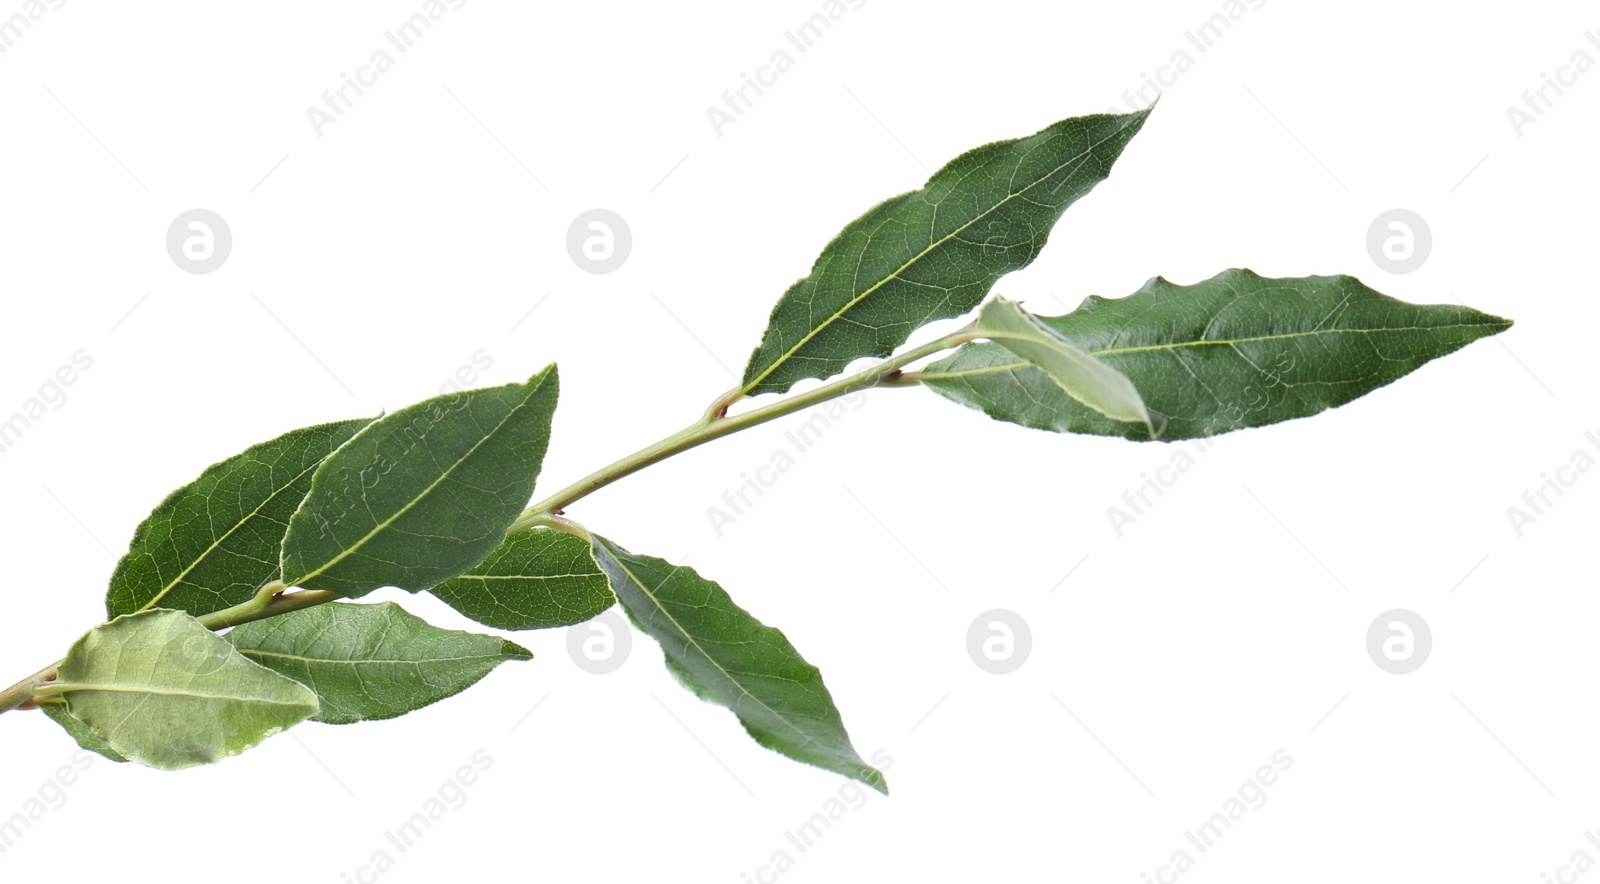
(536, 579)
(212, 543)
(933, 253)
(728, 657)
(1238, 350)
(368, 662)
(82, 733)
(161, 689)
(423, 494)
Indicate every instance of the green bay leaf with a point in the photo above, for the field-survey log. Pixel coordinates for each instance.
(161, 689)
(370, 662)
(725, 656)
(933, 253)
(212, 543)
(1235, 351)
(423, 494)
(535, 579)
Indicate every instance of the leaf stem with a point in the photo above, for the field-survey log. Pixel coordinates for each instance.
(715, 424)
(718, 409)
(559, 523)
(271, 601)
(20, 695)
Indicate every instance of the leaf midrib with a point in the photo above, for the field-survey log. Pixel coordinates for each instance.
(252, 652)
(1114, 351)
(70, 687)
(838, 314)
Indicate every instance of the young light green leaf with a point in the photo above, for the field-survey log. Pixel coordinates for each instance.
(536, 579)
(82, 733)
(423, 494)
(725, 656)
(369, 662)
(212, 543)
(161, 689)
(1237, 350)
(933, 253)
(1081, 376)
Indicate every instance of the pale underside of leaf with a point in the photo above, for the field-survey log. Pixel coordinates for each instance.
(1080, 375)
(163, 690)
(82, 733)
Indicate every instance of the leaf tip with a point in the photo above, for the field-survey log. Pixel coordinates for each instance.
(874, 778)
(514, 651)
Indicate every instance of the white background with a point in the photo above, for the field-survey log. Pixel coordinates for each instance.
(371, 261)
